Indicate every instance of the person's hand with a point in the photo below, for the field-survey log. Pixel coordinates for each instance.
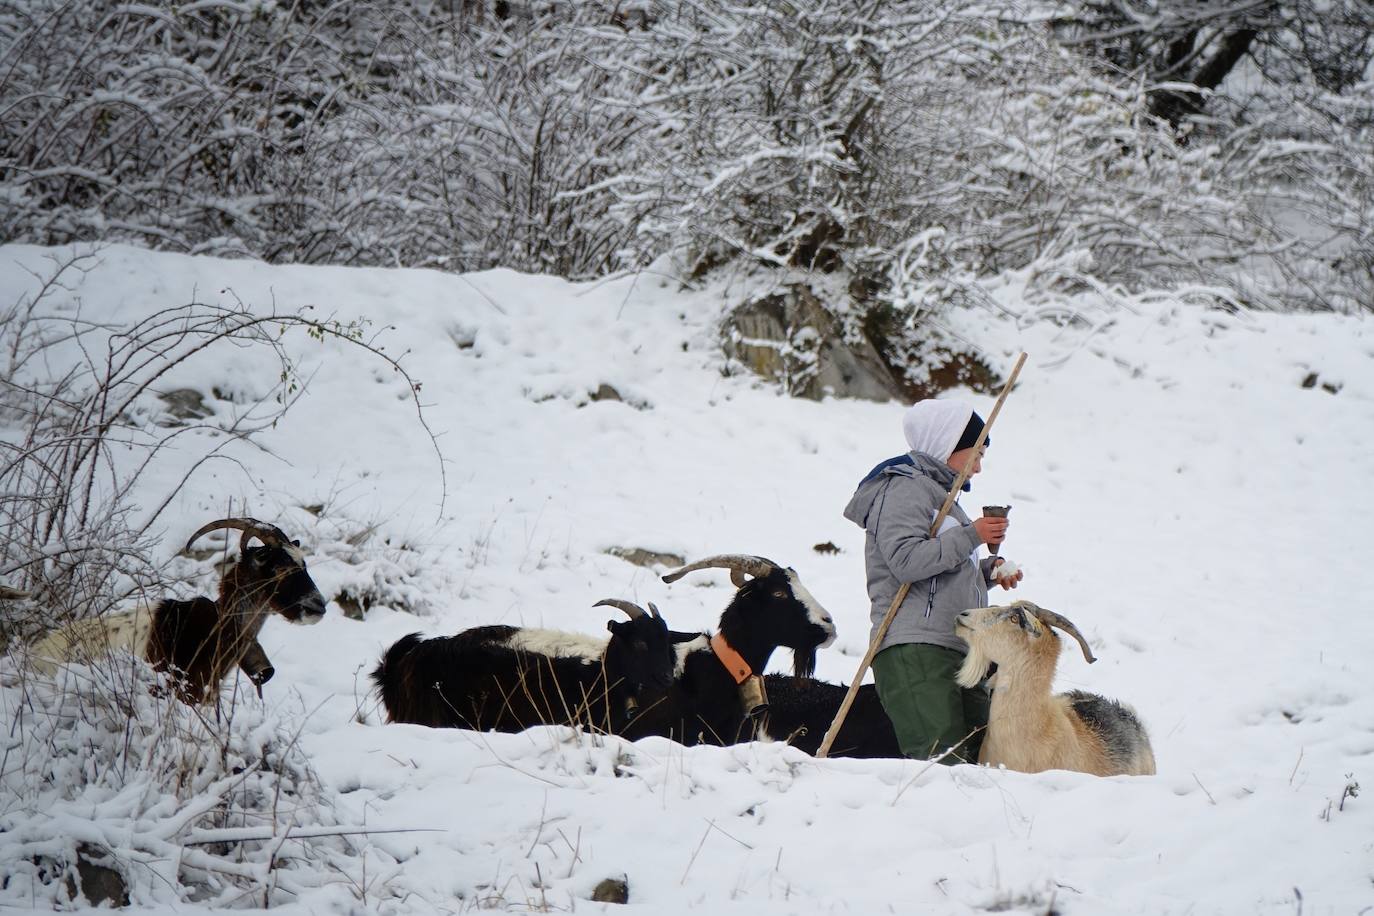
(1008, 582)
(991, 530)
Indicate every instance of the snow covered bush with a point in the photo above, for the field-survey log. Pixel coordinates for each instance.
(106, 773)
(104, 767)
(350, 132)
(1307, 154)
(85, 424)
(814, 139)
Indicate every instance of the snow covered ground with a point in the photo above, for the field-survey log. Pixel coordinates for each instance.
(1177, 492)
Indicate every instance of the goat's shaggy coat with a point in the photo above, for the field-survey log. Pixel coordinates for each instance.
(200, 641)
(800, 710)
(510, 679)
(1031, 729)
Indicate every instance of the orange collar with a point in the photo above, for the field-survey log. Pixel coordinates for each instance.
(734, 662)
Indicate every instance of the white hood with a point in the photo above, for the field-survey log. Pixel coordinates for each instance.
(934, 427)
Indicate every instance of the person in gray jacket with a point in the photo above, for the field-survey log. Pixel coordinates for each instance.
(896, 505)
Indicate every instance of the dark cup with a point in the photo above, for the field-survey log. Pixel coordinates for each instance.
(995, 512)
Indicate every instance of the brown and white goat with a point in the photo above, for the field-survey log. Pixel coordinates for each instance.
(200, 640)
(1031, 729)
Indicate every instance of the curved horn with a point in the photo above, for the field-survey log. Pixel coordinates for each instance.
(1050, 618)
(653, 611)
(739, 564)
(251, 527)
(633, 611)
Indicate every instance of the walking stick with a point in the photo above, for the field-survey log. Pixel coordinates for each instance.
(834, 730)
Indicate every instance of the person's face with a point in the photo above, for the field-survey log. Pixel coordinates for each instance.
(958, 459)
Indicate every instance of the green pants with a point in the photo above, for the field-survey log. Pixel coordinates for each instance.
(929, 711)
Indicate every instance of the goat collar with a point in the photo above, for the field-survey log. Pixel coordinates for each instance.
(734, 662)
(752, 694)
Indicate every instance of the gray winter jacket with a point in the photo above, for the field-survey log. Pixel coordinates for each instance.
(896, 505)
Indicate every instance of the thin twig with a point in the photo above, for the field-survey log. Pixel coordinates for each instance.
(696, 852)
(1204, 789)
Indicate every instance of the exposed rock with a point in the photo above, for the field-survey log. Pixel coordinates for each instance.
(183, 404)
(641, 557)
(827, 547)
(353, 607)
(612, 890)
(789, 337)
(605, 392)
(951, 370)
(95, 880)
(1329, 387)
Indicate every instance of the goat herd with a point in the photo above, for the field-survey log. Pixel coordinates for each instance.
(645, 679)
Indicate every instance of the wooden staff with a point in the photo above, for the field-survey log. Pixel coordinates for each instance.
(834, 730)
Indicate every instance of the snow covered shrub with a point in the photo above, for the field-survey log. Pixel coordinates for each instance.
(1278, 97)
(583, 138)
(351, 132)
(82, 428)
(103, 765)
(373, 568)
(1307, 156)
(833, 142)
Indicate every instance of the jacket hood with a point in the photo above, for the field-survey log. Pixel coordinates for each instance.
(912, 464)
(933, 426)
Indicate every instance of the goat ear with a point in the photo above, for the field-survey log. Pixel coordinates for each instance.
(1029, 622)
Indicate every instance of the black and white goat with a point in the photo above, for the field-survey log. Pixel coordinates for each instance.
(511, 678)
(200, 640)
(1030, 728)
(800, 710)
(770, 609)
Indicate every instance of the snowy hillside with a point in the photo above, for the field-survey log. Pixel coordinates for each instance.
(1178, 492)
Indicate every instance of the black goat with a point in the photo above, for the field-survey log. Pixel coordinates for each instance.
(771, 608)
(800, 711)
(201, 640)
(511, 678)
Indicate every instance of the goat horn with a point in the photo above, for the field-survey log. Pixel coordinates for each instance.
(740, 565)
(654, 611)
(1050, 618)
(251, 527)
(633, 611)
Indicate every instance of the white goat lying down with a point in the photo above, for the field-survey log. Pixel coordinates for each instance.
(1031, 729)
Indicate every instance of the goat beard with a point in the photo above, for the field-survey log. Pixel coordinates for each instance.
(974, 669)
(804, 662)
